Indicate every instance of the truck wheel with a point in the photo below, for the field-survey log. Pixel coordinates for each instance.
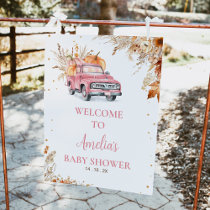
(71, 91)
(110, 98)
(86, 96)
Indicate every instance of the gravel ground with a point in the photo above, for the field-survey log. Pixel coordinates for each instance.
(180, 132)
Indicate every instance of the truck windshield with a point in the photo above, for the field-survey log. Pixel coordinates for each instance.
(92, 69)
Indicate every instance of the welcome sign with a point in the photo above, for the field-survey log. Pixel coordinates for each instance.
(101, 110)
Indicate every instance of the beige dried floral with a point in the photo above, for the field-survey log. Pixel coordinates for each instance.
(147, 51)
(50, 157)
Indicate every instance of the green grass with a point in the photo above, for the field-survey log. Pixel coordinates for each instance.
(179, 58)
(25, 82)
(181, 61)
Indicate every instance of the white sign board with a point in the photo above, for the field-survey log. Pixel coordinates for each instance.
(101, 110)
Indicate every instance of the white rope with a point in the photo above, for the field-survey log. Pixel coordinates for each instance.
(55, 20)
(148, 20)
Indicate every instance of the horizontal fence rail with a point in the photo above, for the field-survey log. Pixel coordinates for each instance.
(21, 52)
(4, 35)
(107, 22)
(4, 54)
(13, 53)
(23, 68)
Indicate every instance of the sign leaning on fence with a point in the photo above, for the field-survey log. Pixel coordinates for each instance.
(101, 110)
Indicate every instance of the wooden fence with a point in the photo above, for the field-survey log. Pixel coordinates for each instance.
(13, 53)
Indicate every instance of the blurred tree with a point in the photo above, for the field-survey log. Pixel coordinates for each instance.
(10, 7)
(199, 6)
(122, 8)
(108, 12)
(27, 8)
(192, 6)
(176, 5)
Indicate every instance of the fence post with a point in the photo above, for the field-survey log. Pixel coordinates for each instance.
(12, 54)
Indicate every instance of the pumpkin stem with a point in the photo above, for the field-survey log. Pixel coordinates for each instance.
(97, 55)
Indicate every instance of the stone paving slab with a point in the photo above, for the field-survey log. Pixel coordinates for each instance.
(130, 205)
(14, 184)
(37, 194)
(2, 200)
(67, 204)
(76, 192)
(104, 190)
(173, 205)
(25, 163)
(24, 173)
(153, 202)
(106, 201)
(17, 203)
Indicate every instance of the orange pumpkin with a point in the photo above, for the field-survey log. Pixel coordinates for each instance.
(95, 59)
(71, 70)
(71, 67)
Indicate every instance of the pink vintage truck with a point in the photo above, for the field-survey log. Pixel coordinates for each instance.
(90, 80)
